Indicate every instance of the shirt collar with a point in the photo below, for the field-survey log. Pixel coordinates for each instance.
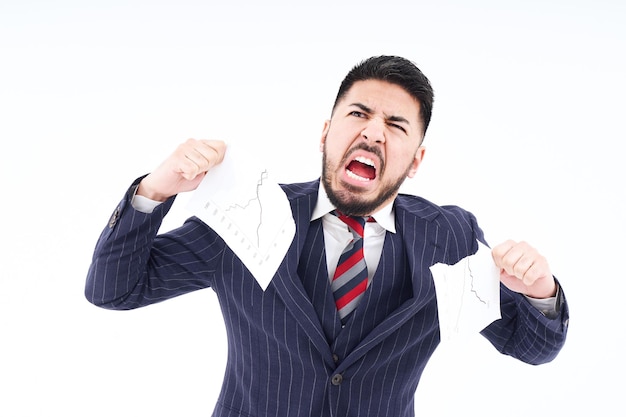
(385, 217)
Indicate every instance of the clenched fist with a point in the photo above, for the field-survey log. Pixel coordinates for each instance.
(524, 270)
(182, 170)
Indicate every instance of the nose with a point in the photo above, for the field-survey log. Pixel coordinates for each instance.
(374, 131)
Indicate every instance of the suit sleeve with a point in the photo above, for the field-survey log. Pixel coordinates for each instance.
(134, 266)
(526, 333)
(523, 332)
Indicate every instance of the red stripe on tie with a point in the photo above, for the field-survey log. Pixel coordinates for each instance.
(353, 223)
(354, 259)
(351, 295)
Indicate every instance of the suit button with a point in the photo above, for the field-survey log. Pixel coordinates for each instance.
(335, 358)
(337, 379)
(114, 217)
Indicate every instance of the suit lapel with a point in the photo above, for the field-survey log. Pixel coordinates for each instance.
(287, 282)
(313, 270)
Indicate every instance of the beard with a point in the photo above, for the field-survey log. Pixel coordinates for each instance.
(350, 202)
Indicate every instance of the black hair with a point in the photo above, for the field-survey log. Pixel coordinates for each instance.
(394, 70)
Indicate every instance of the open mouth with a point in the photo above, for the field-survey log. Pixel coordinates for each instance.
(361, 169)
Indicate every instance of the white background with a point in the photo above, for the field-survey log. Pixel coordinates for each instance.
(527, 133)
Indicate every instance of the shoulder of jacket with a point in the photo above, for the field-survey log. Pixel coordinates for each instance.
(300, 189)
(429, 211)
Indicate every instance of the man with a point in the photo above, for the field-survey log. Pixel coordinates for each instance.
(296, 349)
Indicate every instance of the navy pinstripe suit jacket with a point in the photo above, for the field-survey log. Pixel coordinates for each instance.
(288, 354)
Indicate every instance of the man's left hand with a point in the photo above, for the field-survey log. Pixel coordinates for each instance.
(524, 270)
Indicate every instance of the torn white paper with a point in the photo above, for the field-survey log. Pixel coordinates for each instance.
(468, 294)
(240, 201)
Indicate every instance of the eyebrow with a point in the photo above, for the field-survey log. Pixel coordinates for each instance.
(368, 110)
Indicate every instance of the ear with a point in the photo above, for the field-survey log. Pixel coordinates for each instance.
(324, 134)
(419, 156)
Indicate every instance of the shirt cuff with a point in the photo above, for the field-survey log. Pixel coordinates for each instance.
(549, 307)
(143, 204)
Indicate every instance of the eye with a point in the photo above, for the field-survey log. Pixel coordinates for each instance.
(396, 126)
(357, 113)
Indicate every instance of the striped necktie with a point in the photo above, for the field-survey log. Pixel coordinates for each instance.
(350, 279)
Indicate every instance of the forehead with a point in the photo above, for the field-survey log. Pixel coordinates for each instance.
(384, 97)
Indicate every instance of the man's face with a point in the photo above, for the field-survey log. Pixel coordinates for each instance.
(370, 145)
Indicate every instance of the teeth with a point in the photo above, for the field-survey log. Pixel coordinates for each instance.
(365, 160)
(356, 177)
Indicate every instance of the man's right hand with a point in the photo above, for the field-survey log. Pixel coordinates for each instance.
(182, 170)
